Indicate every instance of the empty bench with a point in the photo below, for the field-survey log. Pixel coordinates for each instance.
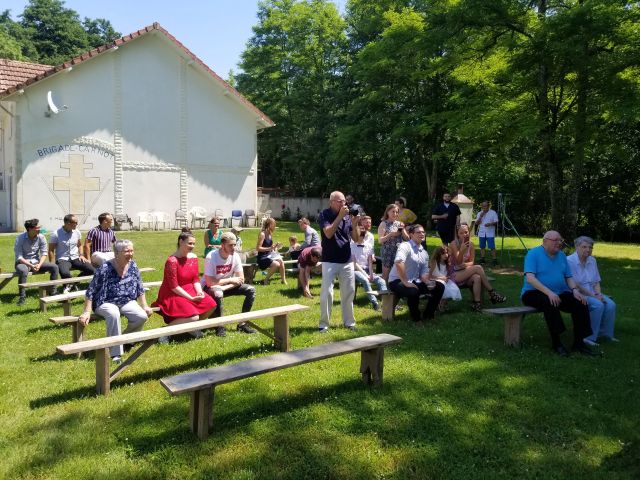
(65, 298)
(6, 277)
(44, 286)
(201, 384)
(101, 346)
(513, 317)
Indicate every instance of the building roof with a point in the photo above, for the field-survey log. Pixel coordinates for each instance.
(14, 72)
(15, 75)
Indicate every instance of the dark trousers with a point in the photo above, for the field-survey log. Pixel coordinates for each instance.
(66, 266)
(447, 235)
(248, 291)
(568, 304)
(23, 272)
(413, 298)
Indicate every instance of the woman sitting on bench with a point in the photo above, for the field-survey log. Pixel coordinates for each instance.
(181, 298)
(466, 274)
(113, 291)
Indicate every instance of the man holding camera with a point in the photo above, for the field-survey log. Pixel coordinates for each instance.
(337, 230)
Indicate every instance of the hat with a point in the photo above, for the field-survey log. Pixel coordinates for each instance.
(237, 229)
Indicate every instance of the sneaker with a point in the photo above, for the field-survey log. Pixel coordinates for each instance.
(66, 289)
(163, 340)
(197, 334)
(21, 301)
(591, 343)
(323, 330)
(221, 332)
(243, 327)
(117, 359)
(614, 340)
(353, 328)
(375, 306)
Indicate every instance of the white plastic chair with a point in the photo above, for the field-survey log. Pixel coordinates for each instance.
(182, 219)
(146, 218)
(161, 218)
(250, 218)
(198, 216)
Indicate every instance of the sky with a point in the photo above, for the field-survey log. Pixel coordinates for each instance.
(215, 30)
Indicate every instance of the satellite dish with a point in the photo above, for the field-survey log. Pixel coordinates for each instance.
(52, 106)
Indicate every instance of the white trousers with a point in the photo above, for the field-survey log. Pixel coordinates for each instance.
(346, 277)
(111, 314)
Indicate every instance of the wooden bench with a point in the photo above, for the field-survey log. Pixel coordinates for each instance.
(201, 384)
(101, 346)
(513, 317)
(44, 286)
(65, 298)
(6, 277)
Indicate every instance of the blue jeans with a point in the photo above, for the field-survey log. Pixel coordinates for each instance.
(602, 316)
(363, 279)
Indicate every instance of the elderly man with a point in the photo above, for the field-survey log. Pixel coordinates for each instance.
(486, 222)
(224, 277)
(447, 215)
(30, 251)
(65, 247)
(337, 231)
(100, 239)
(550, 287)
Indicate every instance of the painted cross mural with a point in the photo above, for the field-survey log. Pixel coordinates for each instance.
(76, 183)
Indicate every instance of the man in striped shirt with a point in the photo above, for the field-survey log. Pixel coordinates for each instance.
(100, 240)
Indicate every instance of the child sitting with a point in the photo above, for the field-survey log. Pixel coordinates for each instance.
(294, 246)
(439, 272)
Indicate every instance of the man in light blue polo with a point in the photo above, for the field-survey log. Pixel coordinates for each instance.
(549, 287)
(65, 247)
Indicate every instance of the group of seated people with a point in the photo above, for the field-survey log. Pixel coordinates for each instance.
(552, 283)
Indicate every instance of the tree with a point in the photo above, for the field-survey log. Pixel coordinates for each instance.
(291, 70)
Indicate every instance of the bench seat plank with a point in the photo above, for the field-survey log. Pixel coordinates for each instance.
(66, 281)
(189, 382)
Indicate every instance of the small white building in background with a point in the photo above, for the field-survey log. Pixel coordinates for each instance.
(138, 125)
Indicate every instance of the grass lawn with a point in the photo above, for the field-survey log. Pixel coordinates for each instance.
(456, 403)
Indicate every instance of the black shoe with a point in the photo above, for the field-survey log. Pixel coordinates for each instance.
(243, 327)
(353, 328)
(221, 332)
(21, 301)
(560, 350)
(584, 350)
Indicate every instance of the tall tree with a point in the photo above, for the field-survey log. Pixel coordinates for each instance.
(291, 69)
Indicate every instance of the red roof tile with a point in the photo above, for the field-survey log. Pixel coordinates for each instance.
(14, 72)
(17, 77)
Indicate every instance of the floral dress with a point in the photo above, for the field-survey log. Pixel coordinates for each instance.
(389, 248)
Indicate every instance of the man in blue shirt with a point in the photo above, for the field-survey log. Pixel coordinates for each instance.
(336, 231)
(549, 287)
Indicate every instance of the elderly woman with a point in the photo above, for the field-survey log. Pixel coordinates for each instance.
(116, 289)
(602, 310)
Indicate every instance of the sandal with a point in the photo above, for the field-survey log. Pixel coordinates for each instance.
(476, 306)
(495, 297)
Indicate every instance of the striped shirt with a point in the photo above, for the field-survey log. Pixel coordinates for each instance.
(101, 240)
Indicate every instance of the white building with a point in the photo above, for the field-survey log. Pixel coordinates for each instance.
(138, 125)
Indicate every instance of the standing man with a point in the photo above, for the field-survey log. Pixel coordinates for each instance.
(549, 287)
(337, 231)
(30, 251)
(224, 277)
(65, 247)
(486, 222)
(100, 240)
(447, 215)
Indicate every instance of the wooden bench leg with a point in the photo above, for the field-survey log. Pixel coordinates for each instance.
(4, 282)
(66, 308)
(372, 365)
(77, 334)
(281, 332)
(201, 412)
(103, 382)
(512, 329)
(43, 306)
(43, 292)
(389, 302)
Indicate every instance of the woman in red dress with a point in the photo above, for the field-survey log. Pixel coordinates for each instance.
(181, 298)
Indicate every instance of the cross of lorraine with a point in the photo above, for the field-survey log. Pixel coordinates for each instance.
(76, 183)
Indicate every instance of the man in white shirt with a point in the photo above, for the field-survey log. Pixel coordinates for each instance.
(223, 277)
(66, 249)
(486, 222)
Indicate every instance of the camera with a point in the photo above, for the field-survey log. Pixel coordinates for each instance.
(354, 211)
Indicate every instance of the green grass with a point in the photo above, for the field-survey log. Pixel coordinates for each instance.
(455, 402)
